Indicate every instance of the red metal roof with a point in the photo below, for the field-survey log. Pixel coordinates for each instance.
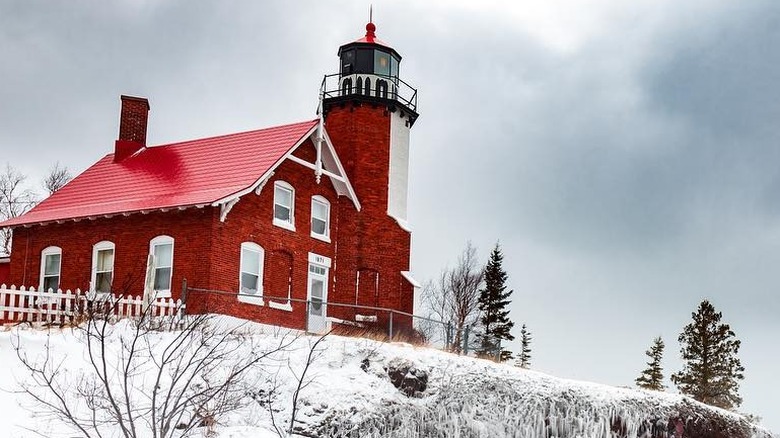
(371, 36)
(195, 172)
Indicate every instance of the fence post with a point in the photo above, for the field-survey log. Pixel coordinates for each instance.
(466, 341)
(391, 325)
(308, 302)
(183, 309)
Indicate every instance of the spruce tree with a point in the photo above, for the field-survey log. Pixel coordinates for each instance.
(494, 316)
(712, 369)
(524, 357)
(653, 377)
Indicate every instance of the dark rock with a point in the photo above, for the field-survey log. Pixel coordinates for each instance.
(409, 379)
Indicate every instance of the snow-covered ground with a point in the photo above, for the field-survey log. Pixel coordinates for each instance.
(347, 391)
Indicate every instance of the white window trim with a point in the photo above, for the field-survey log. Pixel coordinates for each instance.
(258, 299)
(278, 222)
(322, 200)
(163, 240)
(101, 246)
(50, 250)
(279, 306)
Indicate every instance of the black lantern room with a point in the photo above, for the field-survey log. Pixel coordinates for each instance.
(369, 55)
(369, 71)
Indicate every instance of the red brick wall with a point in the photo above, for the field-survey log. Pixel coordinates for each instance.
(5, 272)
(251, 220)
(369, 239)
(131, 236)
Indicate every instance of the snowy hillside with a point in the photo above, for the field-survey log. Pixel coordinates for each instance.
(347, 391)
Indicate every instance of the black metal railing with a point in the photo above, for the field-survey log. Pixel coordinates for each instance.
(369, 85)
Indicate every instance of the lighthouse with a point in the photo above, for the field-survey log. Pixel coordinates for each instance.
(368, 113)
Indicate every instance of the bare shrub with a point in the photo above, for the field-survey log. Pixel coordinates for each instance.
(149, 377)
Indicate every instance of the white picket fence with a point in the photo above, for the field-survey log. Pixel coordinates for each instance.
(27, 304)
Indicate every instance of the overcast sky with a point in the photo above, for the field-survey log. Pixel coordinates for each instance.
(625, 154)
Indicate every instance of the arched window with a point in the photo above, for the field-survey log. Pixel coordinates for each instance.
(161, 248)
(102, 266)
(51, 262)
(251, 273)
(367, 287)
(320, 218)
(284, 205)
(279, 281)
(359, 87)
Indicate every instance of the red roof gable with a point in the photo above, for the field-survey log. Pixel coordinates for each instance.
(195, 172)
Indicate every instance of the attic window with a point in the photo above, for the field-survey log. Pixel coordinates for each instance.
(284, 205)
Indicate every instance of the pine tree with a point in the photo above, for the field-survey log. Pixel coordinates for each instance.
(493, 300)
(524, 357)
(653, 377)
(712, 369)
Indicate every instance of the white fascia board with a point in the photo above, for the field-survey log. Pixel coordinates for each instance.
(332, 151)
(267, 173)
(408, 276)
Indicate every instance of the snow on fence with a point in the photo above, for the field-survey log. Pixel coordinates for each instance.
(29, 305)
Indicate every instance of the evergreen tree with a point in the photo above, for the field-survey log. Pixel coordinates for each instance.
(712, 369)
(524, 357)
(494, 316)
(653, 377)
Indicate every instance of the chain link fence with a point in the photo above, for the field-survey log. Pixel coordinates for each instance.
(317, 316)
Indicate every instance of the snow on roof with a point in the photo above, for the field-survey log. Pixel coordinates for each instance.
(413, 281)
(190, 173)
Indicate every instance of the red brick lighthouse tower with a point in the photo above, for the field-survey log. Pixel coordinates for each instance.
(368, 112)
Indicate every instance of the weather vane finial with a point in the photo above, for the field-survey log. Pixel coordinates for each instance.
(370, 27)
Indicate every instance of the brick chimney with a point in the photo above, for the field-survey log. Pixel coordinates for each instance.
(132, 127)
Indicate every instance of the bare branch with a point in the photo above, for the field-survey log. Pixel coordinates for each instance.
(57, 177)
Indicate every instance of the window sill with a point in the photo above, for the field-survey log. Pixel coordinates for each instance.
(99, 296)
(283, 224)
(161, 294)
(321, 237)
(279, 306)
(365, 318)
(258, 301)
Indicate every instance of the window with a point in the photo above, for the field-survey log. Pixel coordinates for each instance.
(102, 266)
(364, 61)
(161, 247)
(320, 218)
(251, 281)
(284, 205)
(381, 63)
(51, 261)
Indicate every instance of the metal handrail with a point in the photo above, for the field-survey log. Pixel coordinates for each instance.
(327, 303)
(404, 93)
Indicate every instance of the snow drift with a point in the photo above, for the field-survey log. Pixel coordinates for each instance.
(347, 391)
